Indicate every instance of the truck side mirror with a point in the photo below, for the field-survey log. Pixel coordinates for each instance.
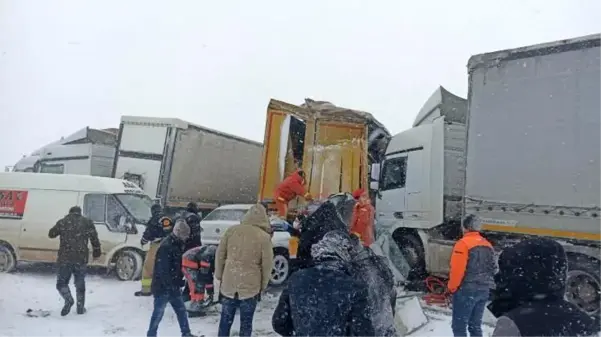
(375, 172)
(374, 185)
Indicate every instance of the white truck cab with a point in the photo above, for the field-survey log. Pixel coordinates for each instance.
(31, 203)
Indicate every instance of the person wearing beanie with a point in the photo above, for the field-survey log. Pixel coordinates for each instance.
(74, 232)
(362, 221)
(168, 279)
(529, 296)
(471, 277)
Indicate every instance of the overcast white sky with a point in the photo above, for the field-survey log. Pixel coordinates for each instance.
(65, 65)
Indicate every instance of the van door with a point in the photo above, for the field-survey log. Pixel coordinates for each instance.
(392, 193)
(105, 212)
(43, 209)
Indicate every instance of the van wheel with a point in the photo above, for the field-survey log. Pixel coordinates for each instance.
(281, 267)
(8, 261)
(583, 284)
(128, 265)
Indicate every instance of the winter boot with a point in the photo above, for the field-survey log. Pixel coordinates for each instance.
(66, 294)
(81, 302)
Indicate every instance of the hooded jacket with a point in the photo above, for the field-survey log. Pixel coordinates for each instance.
(244, 257)
(529, 294)
(290, 188)
(325, 299)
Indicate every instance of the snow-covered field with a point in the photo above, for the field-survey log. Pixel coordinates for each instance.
(114, 311)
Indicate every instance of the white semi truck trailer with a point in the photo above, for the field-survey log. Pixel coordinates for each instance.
(522, 154)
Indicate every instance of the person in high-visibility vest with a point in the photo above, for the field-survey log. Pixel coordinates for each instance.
(362, 221)
(154, 233)
(288, 189)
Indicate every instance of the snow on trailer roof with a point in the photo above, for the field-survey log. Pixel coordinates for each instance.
(69, 182)
(494, 58)
(181, 124)
(311, 108)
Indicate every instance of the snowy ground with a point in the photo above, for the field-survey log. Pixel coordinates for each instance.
(114, 311)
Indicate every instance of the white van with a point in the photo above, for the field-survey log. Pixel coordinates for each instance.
(31, 203)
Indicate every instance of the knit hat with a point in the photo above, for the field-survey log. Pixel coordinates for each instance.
(335, 245)
(472, 223)
(181, 230)
(75, 210)
(358, 193)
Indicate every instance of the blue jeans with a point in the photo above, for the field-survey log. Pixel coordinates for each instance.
(468, 308)
(228, 312)
(177, 303)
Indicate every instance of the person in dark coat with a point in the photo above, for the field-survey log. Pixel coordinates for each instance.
(192, 218)
(374, 271)
(167, 279)
(529, 295)
(157, 228)
(313, 228)
(325, 299)
(74, 232)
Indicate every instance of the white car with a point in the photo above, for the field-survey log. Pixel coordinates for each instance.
(220, 219)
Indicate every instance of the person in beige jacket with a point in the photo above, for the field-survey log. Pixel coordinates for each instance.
(243, 264)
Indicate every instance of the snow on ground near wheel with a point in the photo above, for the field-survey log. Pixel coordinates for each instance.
(113, 310)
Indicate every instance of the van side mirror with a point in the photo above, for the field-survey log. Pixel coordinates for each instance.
(375, 172)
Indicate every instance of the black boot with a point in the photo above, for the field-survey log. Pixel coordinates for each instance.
(81, 302)
(66, 294)
(141, 293)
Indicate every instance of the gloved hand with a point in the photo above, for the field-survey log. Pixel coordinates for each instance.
(96, 253)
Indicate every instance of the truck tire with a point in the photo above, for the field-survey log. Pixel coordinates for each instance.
(413, 250)
(128, 265)
(8, 260)
(583, 284)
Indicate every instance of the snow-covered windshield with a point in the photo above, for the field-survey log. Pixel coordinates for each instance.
(138, 205)
(226, 215)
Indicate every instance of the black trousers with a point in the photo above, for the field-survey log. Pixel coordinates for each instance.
(64, 273)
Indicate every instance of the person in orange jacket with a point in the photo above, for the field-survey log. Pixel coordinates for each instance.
(288, 189)
(471, 277)
(362, 221)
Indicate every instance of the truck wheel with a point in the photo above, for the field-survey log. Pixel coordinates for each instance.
(583, 284)
(8, 261)
(413, 251)
(281, 267)
(128, 265)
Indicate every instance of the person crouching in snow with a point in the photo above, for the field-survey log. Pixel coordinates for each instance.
(326, 299)
(529, 295)
(167, 279)
(157, 228)
(243, 264)
(375, 272)
(471, 277)
(362, 221)
(198, 265)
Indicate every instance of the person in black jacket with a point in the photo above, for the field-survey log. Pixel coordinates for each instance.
(529, 294)
(374, 271)
(167, 279)
(75, 231)
(157, 228)
(325, 299)
(192, 217)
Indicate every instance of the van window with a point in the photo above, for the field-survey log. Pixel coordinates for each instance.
(94, 207)
(394, 173)
(114, 211)
(52, 168)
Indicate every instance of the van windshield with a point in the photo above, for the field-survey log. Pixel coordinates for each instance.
(138, 205)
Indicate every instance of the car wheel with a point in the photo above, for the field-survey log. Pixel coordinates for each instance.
(281, 267)
(128, 265)
(583, 284)
(8, 262)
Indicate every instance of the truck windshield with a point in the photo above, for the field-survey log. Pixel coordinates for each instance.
(138, 205)
(226, 215)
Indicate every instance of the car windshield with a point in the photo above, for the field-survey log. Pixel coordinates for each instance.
(226, 215)
(138, 205)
